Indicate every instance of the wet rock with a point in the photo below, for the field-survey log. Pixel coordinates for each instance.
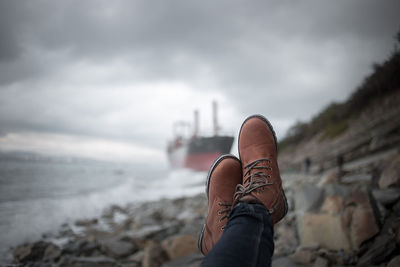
(347, 218)
(154, 255)
(363, 224)
(180, 246)
(339, 257)
(396, 208)
(308, 197)
(395, 262)
(382, 247)
(137, 257)
(321, 262)
(117, 249)
(21, 253)
(325, 230)
(148, 214)
(33, 252)
(391, 174)
(131, 264)
(303, 256)
(333, 205)
(283, 262)
(387, 196)
(148, 231)
(157, 232)
(87, 262)
(331, 177)
(285, 238)
(86, 222)
(193, 227)
(52, 253)
(111, 212)
(192, 260)
(81, 247)
(365, 178)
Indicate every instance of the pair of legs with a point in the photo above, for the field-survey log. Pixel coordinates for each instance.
(245, 199)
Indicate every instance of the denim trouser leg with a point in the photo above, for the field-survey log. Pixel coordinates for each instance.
(247, 239)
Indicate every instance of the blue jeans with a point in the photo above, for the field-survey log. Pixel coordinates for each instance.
(247, 239)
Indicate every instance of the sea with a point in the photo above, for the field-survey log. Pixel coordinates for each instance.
(37, 197)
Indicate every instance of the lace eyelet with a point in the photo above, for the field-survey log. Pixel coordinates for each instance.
(270, 211)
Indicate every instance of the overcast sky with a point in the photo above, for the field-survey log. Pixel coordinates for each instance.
(107, 79)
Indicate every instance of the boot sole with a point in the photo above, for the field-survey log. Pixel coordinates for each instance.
(213, 166)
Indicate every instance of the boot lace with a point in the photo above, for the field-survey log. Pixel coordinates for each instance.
(256, 179)
(226, 208)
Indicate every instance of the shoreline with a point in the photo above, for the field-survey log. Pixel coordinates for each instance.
(121, 235)
(165, 232)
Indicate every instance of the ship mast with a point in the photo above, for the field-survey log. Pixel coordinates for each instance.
(215, 118)
(196, 123)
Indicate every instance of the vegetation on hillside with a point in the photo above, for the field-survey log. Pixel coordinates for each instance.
(334, 119)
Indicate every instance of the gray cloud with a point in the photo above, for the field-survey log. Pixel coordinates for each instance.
(284, 59)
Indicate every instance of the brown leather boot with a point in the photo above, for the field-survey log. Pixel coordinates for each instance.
(261, 179)
(225, 174)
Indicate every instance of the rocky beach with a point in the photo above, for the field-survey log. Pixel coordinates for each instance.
(345, 218)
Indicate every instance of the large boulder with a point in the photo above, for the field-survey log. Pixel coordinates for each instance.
(386, 196)
(394, 262)
(346, 219)
(326, 230)
(307, 197)
(391, 174)
(33, 252)
(331, 177)
(192, 260)
(180, 246)
(154, 255)
(116, 248)
(99, 261)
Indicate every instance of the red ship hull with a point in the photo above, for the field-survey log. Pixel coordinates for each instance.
(198, 153)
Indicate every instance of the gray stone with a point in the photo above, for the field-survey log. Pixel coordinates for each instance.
(357, 178)
(157, 232)
(179, 246)
(87, 262)
(137, 257)
(391, 174)
(303, 256)
(192, 260)
(395, 262)
(131, 264)
(380, 250)
(308, 197)
(118, 249)
(81, 247)
(86, 222)
(321, 262)
(331, 177)
(283, 262)
(34, 252)
(346, 220)
(52, 253)
(387, 196)
(285, 239)
(154, 255)
(22, 252)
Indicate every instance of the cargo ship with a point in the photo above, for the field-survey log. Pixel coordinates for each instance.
(197, 152)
